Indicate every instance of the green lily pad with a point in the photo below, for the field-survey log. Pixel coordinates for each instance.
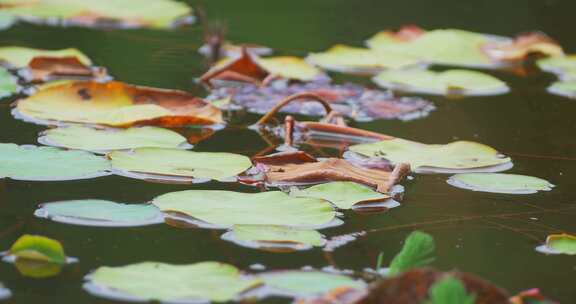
(100, 13)
(343, 195)
(346, 59)
(5, 293)
(37, 269)
(563, 66)
(451, 82)
(178, 165)
(152, 281)
(564, 88)
(444, 46)
(100, 213)
(307, 283)
(274, 237)
(223, 209)
(500, 183)
(39, 248)
(102, 140)
(19, 57)
(49, 164)
(6, 21)
(455, 157)
(559, 244)
(8, 83)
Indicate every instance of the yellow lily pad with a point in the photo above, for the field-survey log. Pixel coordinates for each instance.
(20, 57)
(39, 248)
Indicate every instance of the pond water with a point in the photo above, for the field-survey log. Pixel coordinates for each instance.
(492, 235)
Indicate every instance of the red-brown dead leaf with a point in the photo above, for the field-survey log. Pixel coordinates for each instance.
(523, 46)
(243, 68)
(49, 68)
(301, 168)
(412, 287)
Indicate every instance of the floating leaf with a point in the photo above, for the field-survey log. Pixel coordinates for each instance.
(294, 168)
(290, 68)
(227, 208)
(307, 283)
(418, 251)
(451, 82)
(39, 248)
(6, 21)
(47, 163)
(8, 83)
(103, 140)
(443, 46)
(449, 290)
(160, 163)
(151, 281)
(37, 269)
(342, 194)
(500, 183)
(563, 66)
(20, 57)
(413, 286)
(274, 238)
(346, 59)
(100, 13)
(559, 244)
(100, 213)
(522, 46)
(115, 104)
(564, 88)
(351, 100)
(455, 157)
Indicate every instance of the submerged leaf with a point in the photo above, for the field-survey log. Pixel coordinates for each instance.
(102, 140)
(346, 59)
(564, 88)
(39, 248)
(343, 195)
(99, 13)
(100, 213)
(296, 168)
(500, 183)
(449, 290)
(115, 104)
(148, 281)
(47, 163)
(161, 163)
(351, 100)
(451, 82)
(455, 157)
(418, 251)
(442, 46)
(227, 208)
(8, 83)
(304, 284)
(559, 244)
(275, 238)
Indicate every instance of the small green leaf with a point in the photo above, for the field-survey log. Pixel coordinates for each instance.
(559, 244)
(40, 248)
(418, 251)
(8, 83)
(449, 290)
(343, 195)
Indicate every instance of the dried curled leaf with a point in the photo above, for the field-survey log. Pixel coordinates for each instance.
(351, 100)
(301, 168)
(522, 46)
(115, 104)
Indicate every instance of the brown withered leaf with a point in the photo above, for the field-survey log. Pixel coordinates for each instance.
(522, 46)
(301, 168)
(412, 287)
(49, 68)
(115, 104)
(243, 68)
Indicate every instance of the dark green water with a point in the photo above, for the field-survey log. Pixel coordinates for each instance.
(492, 235)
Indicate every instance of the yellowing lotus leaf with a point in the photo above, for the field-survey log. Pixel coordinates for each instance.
(115, 104)
(20, 57)
(102, 140)
(347, 59)
(559, 244)
(162, 163)
(99, 13)
(224, 209)
(290, 67)
(40, 248)
(202, 282)
(455, 157)
(563, 66)
(451, 82)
